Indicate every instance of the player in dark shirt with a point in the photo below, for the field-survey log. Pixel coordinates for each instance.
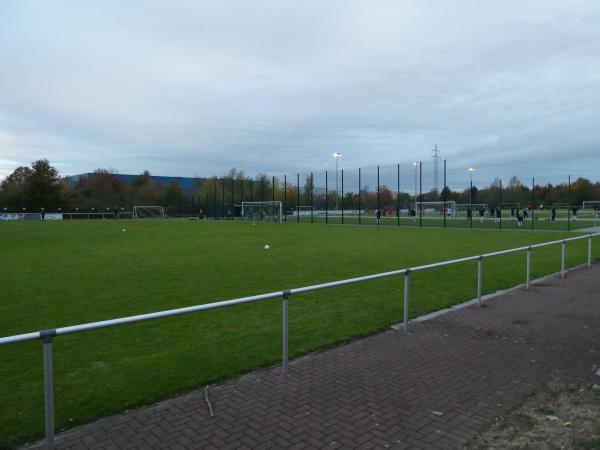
(519, 217)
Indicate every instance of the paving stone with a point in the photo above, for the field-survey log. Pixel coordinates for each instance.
(471, 364)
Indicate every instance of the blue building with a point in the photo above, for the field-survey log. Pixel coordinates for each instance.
(187, 184)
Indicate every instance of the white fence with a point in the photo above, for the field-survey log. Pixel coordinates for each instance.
(46, 336)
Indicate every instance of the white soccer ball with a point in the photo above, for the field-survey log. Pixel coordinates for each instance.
(123, 230)
(267, 247)
(253, 224)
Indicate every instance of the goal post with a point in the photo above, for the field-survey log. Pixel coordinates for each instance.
(148, 212)
(262, 212)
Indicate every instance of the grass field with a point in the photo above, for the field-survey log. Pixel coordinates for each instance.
(62, 273)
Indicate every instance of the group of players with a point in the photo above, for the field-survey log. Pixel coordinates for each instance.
(494, 213)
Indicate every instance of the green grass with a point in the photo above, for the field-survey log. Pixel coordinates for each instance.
(63, 273)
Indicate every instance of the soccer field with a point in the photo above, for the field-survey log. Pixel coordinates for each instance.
(63, 273)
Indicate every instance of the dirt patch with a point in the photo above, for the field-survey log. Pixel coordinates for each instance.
(559, 416)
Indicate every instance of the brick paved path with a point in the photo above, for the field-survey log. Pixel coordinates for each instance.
(435, 388)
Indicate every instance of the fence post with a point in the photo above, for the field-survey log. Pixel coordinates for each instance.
(420, 194)
(398, 198)
(406, 283)
(532, 202)
(359, 189)
(46, 336)
(326, 203)
(479, 279)
(589, 261)
(563, 259)
(342, 199)
(569, 210)
(312, 196)
(444, 191)
(378, 201)
(284, 364)
(285, 197)
(528, 270)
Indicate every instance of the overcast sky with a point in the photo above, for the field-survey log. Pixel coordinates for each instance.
(197, 87)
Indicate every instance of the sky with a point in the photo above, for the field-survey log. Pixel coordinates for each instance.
(194, 88)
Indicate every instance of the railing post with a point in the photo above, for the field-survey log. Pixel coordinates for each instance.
(406, 283)
(589, 261)
(46, 336)
(284, 364)
(528, 270)
(563, 258)
(479, 279)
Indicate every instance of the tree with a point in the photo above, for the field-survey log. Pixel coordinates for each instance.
(174, 197)
(145, 190)
(100, 189)
(42, 187)
(13, 189)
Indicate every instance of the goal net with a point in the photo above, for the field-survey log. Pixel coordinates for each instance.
(148, 212)
(262, 212)
(436, 209)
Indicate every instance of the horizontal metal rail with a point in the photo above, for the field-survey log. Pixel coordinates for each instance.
(277, 294)
(47, 335)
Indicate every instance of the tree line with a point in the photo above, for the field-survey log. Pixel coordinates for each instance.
(31, 188)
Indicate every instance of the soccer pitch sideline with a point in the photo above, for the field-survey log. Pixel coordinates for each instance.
(62, 273)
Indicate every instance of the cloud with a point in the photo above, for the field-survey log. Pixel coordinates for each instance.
(190, 88)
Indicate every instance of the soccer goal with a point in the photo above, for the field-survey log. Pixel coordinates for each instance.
(561, 205)
(435, 209)
(590, 204)
(148, 212)
(262, 212)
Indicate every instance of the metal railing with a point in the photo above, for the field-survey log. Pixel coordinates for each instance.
(46, 336)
